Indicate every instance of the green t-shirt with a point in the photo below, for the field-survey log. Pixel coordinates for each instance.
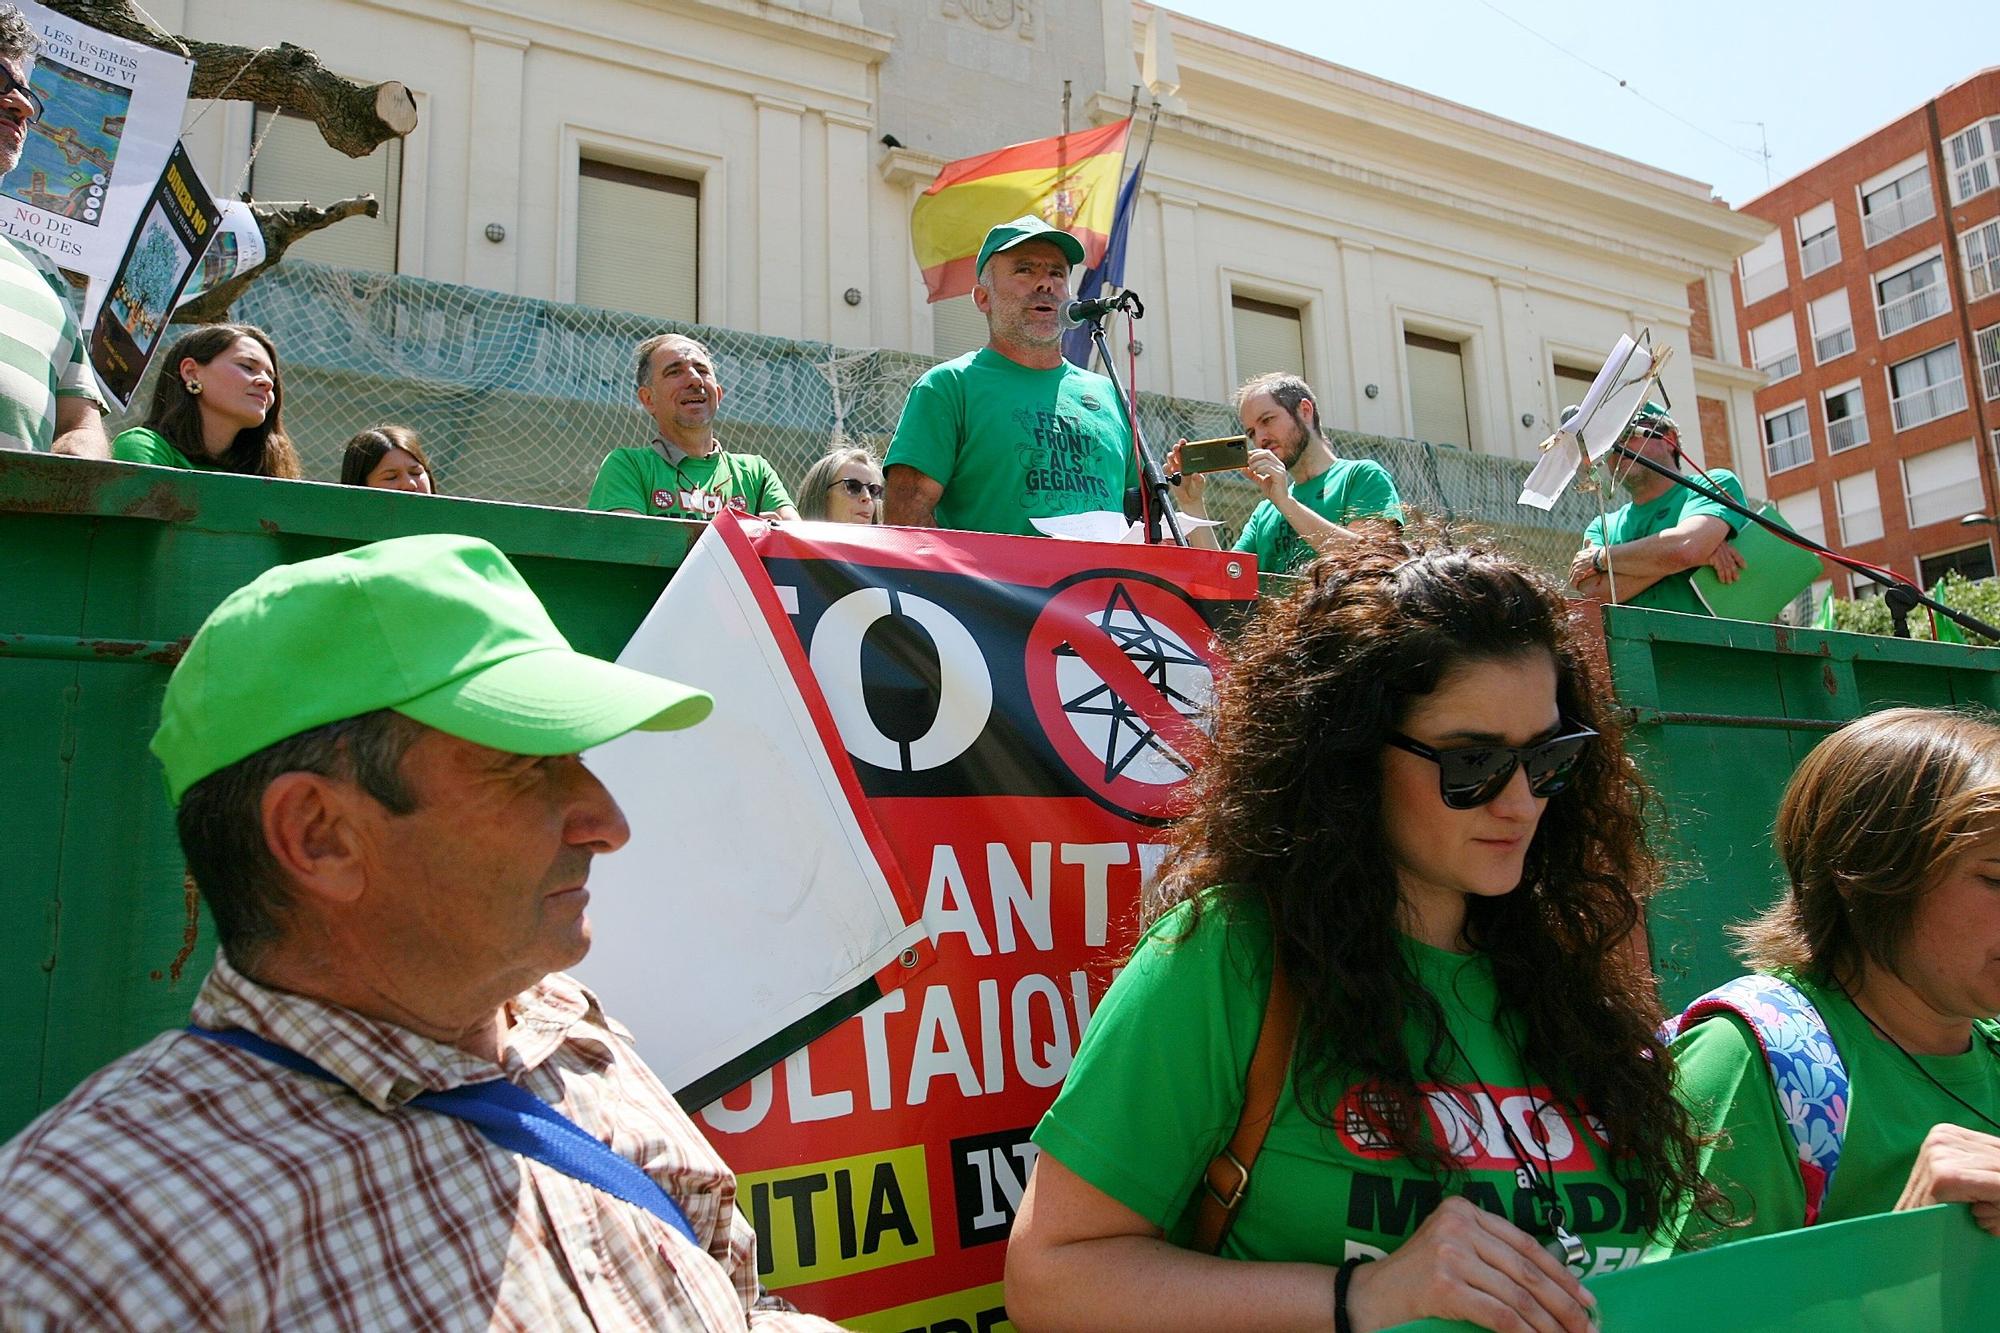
(643, 481)
(1010, 444)
(1630, 522)
(1352, 488)
(143, 445)
(1157, 1090)
(1723, 1079)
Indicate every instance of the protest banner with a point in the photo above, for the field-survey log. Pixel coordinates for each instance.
(174, 231)
(88, 167)
(1020, 714)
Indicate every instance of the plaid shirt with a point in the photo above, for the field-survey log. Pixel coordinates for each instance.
(193, 1185)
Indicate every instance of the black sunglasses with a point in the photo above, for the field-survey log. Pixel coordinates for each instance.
(1471, 775)
(10, 84)
(857, 489)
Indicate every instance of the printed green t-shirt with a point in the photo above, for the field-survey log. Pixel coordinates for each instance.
(141, 445)
(1010, 444)
(1352, 488)
(1157, 1088)
(643, 481)
(1721, 1076)
(1630, 522)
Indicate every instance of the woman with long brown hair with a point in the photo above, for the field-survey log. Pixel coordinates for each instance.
(1858, 1069)
(218, 406)
(1419, 824)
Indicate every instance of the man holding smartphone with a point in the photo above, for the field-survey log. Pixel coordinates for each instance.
(1309, 493)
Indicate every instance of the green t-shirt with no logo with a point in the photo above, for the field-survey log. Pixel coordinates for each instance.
(1630, 522)
(1157, 1088)
(143, 445)
(643, 481)
(1352, 488)
(1011, 444)
(1723, 1079)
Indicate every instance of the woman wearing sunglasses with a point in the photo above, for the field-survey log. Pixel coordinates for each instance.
(1414, 860)
(843, 487)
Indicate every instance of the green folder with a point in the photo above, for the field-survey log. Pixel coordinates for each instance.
(1774, 572)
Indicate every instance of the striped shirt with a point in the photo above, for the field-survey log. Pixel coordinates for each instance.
(41, 352)
(194, 1185)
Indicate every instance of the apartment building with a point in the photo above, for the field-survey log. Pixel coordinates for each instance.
(1874, 312)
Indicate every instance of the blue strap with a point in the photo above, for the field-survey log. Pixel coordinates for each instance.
(512, 1118)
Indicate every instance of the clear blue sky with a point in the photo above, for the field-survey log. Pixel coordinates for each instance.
(1818, 75)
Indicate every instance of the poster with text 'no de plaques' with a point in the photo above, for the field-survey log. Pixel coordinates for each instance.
(88, 168)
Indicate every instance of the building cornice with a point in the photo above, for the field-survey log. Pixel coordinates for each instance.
(1736, 377)
(800, 28)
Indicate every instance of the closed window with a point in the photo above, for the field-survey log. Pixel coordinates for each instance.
(1762, 270)
(296, 163)
(1927, 387)
(1894, 205)
(1860, 508)
(1437, 390)
(1805, 513)
(1787, 440)
(1774, 348)
(1987, 341)
(1819, 243)
(1269, 336)
(1941, 485)
(1969, 159)
(1832, 326)
(1911, 295)
(1981, 247)
(1572, 383)
(638, 241)
(956, 328)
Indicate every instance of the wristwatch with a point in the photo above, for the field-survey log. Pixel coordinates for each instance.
(1597, 560)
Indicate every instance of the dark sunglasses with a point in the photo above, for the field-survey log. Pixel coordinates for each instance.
(857, 489)
(10, 84)
(1471, 775)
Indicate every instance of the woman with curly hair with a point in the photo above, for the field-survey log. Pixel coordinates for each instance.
(1858, 1069)
(1419, 833)
(218, 406)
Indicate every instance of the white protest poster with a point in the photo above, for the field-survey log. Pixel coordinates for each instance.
(1598, 423)
(757, 904)
(89, 166)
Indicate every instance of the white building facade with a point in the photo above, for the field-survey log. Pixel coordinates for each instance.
(1436, 272)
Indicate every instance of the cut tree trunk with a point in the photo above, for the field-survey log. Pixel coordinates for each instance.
(281, 224)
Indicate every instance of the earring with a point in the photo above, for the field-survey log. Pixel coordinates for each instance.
(194, 387)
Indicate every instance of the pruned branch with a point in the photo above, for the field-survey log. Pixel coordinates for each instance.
(354, 118)
(281, 224)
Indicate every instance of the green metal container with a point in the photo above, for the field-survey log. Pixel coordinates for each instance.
(110, 568)
(1723, 712)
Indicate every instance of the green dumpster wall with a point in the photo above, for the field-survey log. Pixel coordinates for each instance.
(1723, 710)
(111, 566)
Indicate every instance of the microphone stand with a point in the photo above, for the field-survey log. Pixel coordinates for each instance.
(1900, 596)
(1150, 479)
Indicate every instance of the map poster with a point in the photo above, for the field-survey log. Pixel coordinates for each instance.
(89, 165)
(177, 226)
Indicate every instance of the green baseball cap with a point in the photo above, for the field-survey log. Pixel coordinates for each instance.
(1027, 227)
(440, 628)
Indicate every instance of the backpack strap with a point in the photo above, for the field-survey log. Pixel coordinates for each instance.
(1227, 1178)
(1806, 1069)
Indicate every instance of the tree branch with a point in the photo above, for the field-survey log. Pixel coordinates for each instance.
(281, 224)
(354, 118)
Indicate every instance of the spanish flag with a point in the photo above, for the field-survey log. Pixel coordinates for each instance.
(1070, 181)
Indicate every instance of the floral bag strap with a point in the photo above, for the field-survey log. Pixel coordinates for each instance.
(1227, 1178)
(1806, 1069)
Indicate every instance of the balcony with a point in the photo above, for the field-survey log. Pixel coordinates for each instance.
(1846, 433)
(1822, 251)
(1763, 282)
(1782, 367)
(1913, 308)
(1899, 217)
(1829, 345)
(1939, 400)
(1787, 451)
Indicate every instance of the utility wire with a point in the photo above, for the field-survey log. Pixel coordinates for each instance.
(1669, 112)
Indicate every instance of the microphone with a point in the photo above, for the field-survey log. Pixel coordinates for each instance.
(1089, 312)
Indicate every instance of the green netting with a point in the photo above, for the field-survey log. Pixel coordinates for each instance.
(519, 399)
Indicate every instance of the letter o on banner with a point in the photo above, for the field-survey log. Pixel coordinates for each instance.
(964, 684)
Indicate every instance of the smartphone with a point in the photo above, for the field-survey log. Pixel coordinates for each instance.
(1218, 455)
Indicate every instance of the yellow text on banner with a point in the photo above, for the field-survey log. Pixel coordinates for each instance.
(824, 1220)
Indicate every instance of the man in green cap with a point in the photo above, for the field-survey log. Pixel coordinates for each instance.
(392, 1109)
(1012, 432)
(1657, 539)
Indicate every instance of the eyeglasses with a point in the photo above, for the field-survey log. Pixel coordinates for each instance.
(10, 84)
(1471, 775)
(856, 489)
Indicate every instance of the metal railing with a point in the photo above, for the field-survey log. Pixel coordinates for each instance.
(1763, 282)
(1846, 433)
(1819, 252)
(1898, 217)
(1928, 404)
(1829, 345)
(1782, 367)
(1912, 308)
(1787, 451)
(1987, 341)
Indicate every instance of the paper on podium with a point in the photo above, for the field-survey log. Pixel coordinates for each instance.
(1101, 525)
(1598, 423)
